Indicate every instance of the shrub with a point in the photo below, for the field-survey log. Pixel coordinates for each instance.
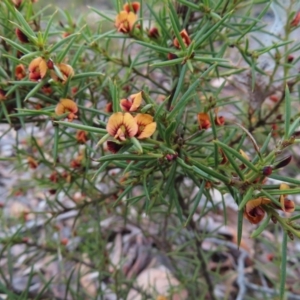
(157, 116)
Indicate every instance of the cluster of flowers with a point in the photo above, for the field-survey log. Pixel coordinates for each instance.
(126, 19)
(125, 22)
(38, 69)
(123, 125)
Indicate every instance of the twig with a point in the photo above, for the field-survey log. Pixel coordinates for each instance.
(241, 280)
(193, 227)
(269, 291)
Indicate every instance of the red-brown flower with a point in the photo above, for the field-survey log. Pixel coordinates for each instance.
(66, 72)
(122, 126)
(254, 211)
(20, 72)
(109, 107)
(153, 33)
(2, 95)
(33, 164)
(219, 120)
(81, 136)
(46, 89)
(67, 106)
(133, 6)
(185, 38)
(113, 147)
(132, 103)
(22, 36)
(37, 69)
(17, 3)
(285, 204)
(295, 22)
(203, 120)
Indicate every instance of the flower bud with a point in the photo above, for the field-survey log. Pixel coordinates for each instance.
(283, 163)
(50, 64)
(21, 36)
(153, 33)
(267, 170)
(172, 56)
(295, 22)
(290, 58)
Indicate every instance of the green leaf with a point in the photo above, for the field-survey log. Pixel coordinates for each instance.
(126, 191)
(237, 155)
(63, 41)
(35, 89)
(169, 132)
(87, 75)
(5, 112)
(137, 145)
(206, 171)
(261, 227)
(147, 194)
(101, 169)
(15, 45)
(159, 49)
(63, 53)
(25, 26)
(170, 180)
(114, 92)
(240, 227)
(47, 30)
(283, 266)
(189, 4)
(168, 63)
(285, 179)
(175, 25)
(184, 99)
(179, 84)
(124, 157)
(293, 127)
(56, 141)
(82, 127)
(287, 117)
(196, 203)
(102, 14)
(248, 196)
(235, 166)
(199, 39)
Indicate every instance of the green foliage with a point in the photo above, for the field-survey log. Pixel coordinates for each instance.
(172, 67)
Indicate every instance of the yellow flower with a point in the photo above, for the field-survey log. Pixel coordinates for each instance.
(121, 126)
(67, 105)
(146, 126)
(132, 103)
(125, 21)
